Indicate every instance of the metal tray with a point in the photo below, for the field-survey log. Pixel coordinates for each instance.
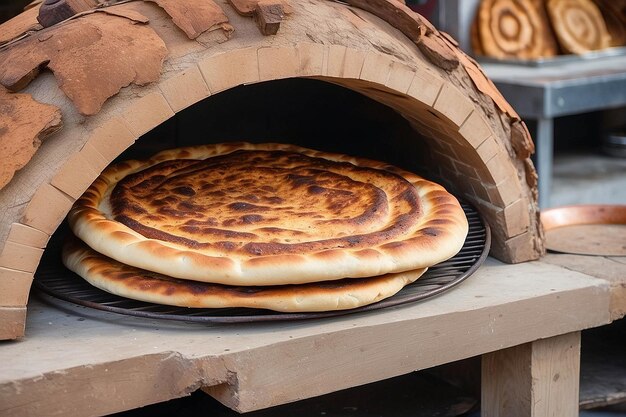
(53, 279)
(556, 60)
(586, 229)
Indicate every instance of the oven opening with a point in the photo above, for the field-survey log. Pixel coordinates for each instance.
(305, 112)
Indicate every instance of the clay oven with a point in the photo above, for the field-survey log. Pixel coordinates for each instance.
(371, 79)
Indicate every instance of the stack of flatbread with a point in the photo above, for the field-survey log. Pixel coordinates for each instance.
(268, 226)
(532, 29)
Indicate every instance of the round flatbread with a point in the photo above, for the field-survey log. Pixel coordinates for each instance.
(267, 214)
(578, 25)
(514, 29)
(138, 284)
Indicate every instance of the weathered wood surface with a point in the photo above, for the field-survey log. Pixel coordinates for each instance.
(123, 362)
(417, 394)
(537, 379)
(611, 269)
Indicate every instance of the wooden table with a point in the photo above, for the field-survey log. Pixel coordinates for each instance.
(524, 319)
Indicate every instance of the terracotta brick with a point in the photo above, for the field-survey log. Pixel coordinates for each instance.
(453, 104)
(400, 77)
(376, 68)
(230, 69)
(313, 59)
(489, 149)
(14, 287)
(336, 58)
(146, 113)
(110, 139)
(278, 62)
(425, 87)
(26, 235)
(517, 217)
(500, 168)
(519, 248)
(96, 161)
(74, 176)
(185, 88)
(475, 129)
(465, 169)
(445, 161)
(481, 189)
(20, 257)
(353, 64)
(470, 156)
(47, 209)
(507, 192)
(12, 322)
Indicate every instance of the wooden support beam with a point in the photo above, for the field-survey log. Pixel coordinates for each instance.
(535, 379)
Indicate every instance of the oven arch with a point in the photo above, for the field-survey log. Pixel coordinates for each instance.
(469, 139)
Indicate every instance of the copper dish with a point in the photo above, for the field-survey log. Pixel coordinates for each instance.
(586, 229)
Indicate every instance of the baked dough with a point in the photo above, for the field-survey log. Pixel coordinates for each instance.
(139, 284)
(578, 25)
(513, 29)
(267, 214)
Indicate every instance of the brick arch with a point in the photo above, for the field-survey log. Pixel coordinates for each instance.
(462, 126)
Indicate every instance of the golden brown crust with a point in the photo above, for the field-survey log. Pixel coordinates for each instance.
(514, 29)
(578, 25)
(268, 214)
(139, 284)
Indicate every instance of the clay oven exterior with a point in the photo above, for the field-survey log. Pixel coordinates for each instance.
(166, 56)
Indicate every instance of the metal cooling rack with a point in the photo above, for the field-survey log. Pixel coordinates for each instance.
(54, 279)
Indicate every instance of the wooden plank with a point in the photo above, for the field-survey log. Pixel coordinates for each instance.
(534, 379)
(418, 394)
(611, 269)
(253, 366)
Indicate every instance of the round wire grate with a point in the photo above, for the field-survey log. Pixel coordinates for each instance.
(54, 279)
